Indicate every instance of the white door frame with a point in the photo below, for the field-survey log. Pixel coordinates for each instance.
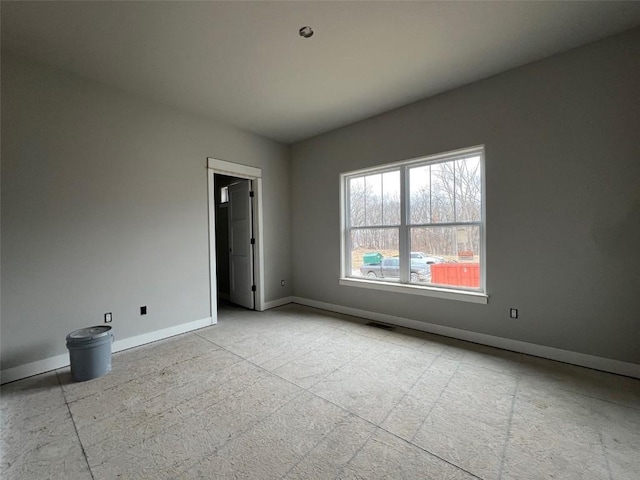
(223, 167)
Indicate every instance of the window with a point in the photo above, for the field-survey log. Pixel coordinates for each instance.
(224, 195)
(417, 224)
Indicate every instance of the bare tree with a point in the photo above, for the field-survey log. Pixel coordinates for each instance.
(452, 194)
(447, 192)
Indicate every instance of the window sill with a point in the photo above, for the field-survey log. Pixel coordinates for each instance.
(449, 294)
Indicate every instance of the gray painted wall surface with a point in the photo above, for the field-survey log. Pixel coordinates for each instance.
(104, 209)
(562, 141)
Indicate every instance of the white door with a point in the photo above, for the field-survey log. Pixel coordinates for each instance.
(240, 245)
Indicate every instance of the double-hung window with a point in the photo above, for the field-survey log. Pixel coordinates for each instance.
(417, 226)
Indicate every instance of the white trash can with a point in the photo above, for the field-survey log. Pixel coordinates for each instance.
(90, 352)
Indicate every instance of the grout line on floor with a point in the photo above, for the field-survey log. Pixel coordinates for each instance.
(413, 437)
(183, 402)
(75, 428)
(433, 454)
(355, 454)
(509, 422)
(244, 387)
(164, 392)
(606, 455)
(617, 404)
(242, 432)
(306, 455)
(410, 389)
(327, 341)
(139, 376)
(291, 382)
(376, 426)
(347, 331)
(187, 464)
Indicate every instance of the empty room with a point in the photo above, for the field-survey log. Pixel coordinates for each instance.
(320, 240)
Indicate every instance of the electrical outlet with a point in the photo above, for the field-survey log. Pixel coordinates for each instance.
(108, 317)
(282, 283)
(143, 310)
(513, 312)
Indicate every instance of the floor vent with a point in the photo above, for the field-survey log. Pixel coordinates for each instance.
(380, 325)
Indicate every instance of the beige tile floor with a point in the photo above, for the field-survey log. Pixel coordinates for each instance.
(299, 393)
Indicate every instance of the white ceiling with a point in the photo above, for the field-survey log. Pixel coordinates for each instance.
(244, 64)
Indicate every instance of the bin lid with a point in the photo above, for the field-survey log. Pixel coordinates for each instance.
(88, 333)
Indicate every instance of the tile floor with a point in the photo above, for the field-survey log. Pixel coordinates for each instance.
(299, 393)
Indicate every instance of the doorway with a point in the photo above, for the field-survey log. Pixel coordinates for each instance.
(235, 235)
(234, 240)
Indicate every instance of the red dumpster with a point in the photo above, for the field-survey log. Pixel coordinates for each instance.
(458, 274)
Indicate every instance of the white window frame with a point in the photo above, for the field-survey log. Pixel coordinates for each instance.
(467, 295)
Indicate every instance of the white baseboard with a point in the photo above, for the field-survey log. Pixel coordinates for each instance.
(59, 361)
(34, 368)
(277, 303)
(130, 342)
(552, 353)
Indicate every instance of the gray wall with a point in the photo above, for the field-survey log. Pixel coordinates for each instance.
(562, 141)
(104, 209)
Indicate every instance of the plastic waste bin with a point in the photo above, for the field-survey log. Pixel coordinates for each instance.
(90, 352)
